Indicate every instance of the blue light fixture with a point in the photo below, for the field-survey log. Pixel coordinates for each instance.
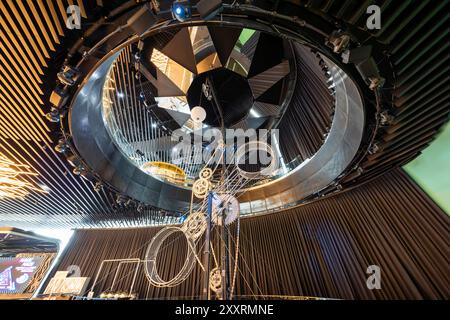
(181, 10)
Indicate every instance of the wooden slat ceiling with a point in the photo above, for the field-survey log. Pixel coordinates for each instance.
(33, 36)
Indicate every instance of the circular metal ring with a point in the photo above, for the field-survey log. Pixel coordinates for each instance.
(151, 255)
(254, 146)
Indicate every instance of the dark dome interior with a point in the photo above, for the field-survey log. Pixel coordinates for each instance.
(232, 90)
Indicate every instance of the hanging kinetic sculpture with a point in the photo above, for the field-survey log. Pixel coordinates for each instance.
(224, 210)
(11, 186)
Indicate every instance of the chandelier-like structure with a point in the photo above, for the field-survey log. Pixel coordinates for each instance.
(11, 185)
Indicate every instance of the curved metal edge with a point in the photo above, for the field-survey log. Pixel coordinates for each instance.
(314, 175)
(151, 255)
(101, 154)
(333, 157)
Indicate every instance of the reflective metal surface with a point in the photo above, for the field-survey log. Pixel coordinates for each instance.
(337, 152)
(98, 150)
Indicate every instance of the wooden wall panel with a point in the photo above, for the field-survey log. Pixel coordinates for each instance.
(319, 249)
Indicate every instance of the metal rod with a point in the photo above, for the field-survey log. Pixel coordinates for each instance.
(206, 252)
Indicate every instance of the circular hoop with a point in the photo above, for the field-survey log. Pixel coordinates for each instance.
(151, 255)
(256, 146)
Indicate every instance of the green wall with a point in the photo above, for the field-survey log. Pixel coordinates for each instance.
(431, 170)
(246, 34)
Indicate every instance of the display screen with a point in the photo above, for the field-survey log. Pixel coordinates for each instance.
(16, 273)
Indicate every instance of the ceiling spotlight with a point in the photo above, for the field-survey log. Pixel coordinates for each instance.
(140, 208)
(73, 160)
(138, 74)
(154, 125)
(181, 10)
(68, 75)
(129, 203)
(78, 170)
(120, 200)
(386, 118)
(53, 115)
(62, 146)
(59, 97)
(120, 95)
(98, 186)
(339, 41)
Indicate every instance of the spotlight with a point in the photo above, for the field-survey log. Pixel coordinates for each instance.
(120, 200)
(138, 75)
(53, 115)
(140, 45)
(339, 41)
(73, 160)
(62, 146)
(78, 170)
(365, 64)
(59, 97)
(181, 10)
(386, 118)
(68, 75)
(129, 203)
(374, 148)
(98, 187)
(85, 174)
(140, 208)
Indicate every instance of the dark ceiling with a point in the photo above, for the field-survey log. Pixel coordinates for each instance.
(34, 41)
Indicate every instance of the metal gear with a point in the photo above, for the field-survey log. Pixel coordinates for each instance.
(227, 206)
(201, 188)
(206, 173)
(195, 225)
(215, 280)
